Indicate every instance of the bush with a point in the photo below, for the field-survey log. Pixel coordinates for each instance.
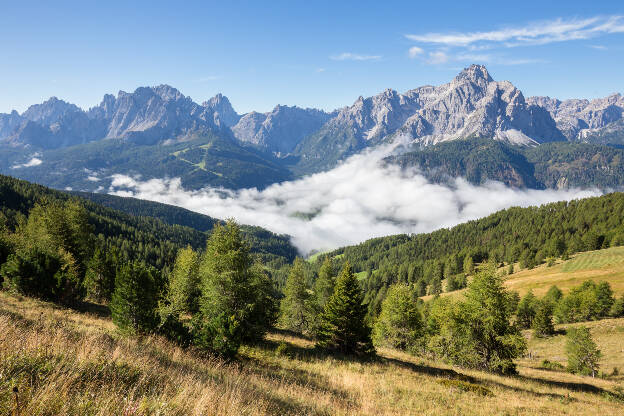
(552, 365)
(617, 310)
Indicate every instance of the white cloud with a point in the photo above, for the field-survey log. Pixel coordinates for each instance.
(93, 178)
(536, 33)
(599, 47)
(360, 199)
(415, 51)
(461, 46)
(35, 161)
(437, 57)
(348, 56)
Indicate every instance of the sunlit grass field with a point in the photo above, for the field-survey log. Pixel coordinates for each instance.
(65, 362)
(600, 265)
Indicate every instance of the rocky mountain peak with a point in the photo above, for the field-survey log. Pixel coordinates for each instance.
(475, 73)
(50, 111)
(223, 110)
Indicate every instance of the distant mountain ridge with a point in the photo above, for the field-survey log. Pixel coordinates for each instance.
(157, 132)
(472, 104)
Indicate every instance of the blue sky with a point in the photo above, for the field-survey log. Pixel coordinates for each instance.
(306, 53)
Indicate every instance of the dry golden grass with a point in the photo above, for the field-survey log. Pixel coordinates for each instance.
(600, 265)
(70, 363)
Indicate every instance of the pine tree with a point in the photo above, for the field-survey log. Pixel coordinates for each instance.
(543, 320)
(295, 307)
(400, 323)
(100, 277)
(492, 340)
(133, 306)
(324, 285)
(468, 265)
(342, 327)
(526, 310)
(236, 301)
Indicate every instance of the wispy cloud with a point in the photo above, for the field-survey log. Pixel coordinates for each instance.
(536, 33)
(437, 57)
(487, 46)
(415, 51)
(349, 56)
(599, 47)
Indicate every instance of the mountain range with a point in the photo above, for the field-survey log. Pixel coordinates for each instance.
(158, 131)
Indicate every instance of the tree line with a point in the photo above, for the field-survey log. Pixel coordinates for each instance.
(515, 237)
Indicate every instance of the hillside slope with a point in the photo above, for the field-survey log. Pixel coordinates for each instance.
(159, 240)
(66, 362)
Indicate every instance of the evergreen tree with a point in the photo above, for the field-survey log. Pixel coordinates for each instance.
(436, 286)
(605, 299)
(526, 310)
(617, 310)
(583, 354)
(468, 265)
(324, 285)
(295, 308)
(342, 327)
(553, 296)
(491, 342)
(236, 301)
(543, 320)
(183, 285)
(400, 323)
(134, 301)
(99, 280)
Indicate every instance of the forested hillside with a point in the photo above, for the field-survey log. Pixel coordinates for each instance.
(264, 242)
(528, 236)
(141, 229)
(549, 165)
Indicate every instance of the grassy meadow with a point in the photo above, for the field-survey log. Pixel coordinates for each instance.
(600, 265)
(65, 362)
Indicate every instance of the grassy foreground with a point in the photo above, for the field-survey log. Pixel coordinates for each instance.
(67, 362)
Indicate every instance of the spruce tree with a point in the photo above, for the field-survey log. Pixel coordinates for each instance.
(237, 302)
(324, 285)
(526, 310)
(468, 265)
(100, 276)
(543, 320)
(342, 327)
(133, 306)
(296, 308)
